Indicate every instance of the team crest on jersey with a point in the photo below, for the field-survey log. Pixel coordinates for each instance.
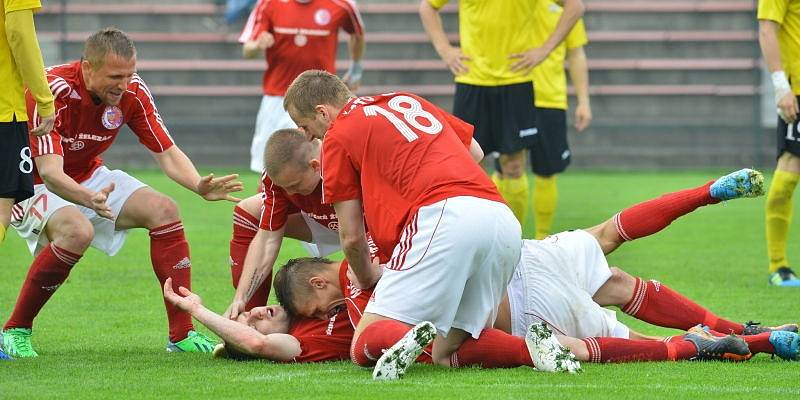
(300, 40)
(334, 226)
(322, 17)
(112, 117)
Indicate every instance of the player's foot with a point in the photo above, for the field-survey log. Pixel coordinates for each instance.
(754, 328)
(547, 353)
(17, 343)
(4, 356)
(786, 344)
(394, 362)
(711, 347)
(742, 183)
(784, 277)
(195, 342)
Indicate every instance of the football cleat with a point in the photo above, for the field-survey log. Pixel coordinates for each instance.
(547, 353)
(195, 342)
(786, 344)
(17, 343)
(394, 362)
(711, 347)
(754, 328)
(742, 183)
(784, 277)
(4, 356)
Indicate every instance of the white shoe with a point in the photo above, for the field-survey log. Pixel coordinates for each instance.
(547, 353)
(394, 362)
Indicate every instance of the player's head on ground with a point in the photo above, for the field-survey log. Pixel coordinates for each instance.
(108, 64)
(292, 161)
(266, 319)
(309, 287)
(314, 100)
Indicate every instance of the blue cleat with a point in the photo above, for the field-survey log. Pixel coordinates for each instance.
(787, 345)
(4, 356)
(742, 183)
(784, 277)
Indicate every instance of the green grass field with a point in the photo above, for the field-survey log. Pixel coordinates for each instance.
(103, 334)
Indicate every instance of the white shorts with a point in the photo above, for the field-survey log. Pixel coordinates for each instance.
(271, 117)
(554, 283)
(324, 241)
(31, 216)
(451, 266)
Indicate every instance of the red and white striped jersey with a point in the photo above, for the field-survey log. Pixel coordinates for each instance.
(398, 152)
(84, 129)
(327, 340)
(278, 204)
(306, 36)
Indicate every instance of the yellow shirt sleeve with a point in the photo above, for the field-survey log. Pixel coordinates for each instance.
(17, 5)
(773, 10)
(577, 36)
(437, 4)
(21, 34)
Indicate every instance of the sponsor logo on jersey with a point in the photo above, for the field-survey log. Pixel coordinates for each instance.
(112, 117)
(322, 17)
(183, 264)
(300, 40)
(528, 132)
(77, 145)
(334, 226)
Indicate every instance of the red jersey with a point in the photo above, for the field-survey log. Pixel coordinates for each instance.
(354, 298)
(306, 36)
(84, 129)
(278, 205)
(323, 340)
(398, 152)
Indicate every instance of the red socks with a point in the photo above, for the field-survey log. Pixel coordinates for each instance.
(49, 270)
(169, 253)
(245, 227)
(655, 303)
(376, 338)
(617, 350)
(651, 216)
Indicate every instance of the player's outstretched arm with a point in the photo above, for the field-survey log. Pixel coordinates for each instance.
(275, 346)
(258, 263)
(353, 238)
(51, 170)
(180, 169)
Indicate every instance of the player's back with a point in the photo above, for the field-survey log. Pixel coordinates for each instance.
(406, 153)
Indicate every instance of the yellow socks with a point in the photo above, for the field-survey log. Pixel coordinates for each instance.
(515, 191)
(545, 197)
(2, 233)
(779, 217)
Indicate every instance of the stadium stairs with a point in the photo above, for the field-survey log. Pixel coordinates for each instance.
(674, 84)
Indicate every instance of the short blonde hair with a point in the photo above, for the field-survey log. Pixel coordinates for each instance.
(107, 40)
(287, 147)
(315, 87)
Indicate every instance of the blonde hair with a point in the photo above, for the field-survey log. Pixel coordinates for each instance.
(107, 40)
(287, 147)
(315, 87)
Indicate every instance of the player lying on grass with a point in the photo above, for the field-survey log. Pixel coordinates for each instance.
(265, 332)
(649, 301)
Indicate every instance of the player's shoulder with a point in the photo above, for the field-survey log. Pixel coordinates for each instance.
(63, 79)
(348, 6)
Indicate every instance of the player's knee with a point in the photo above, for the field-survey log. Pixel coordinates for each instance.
(165, 210)
(75, 235)
(622, 285)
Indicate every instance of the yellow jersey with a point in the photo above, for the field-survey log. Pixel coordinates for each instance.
(549, 77)
(787, 14)
(490, 31)
(12, 96)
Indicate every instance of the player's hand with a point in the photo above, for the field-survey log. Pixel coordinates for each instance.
(98, 202)
(787, 108)
(352, 78)
(45, 125)
(583, 117)
(185, 301)
(455, 59)
(528, 59)
(265, 40)
(213, 189)
(237, 307)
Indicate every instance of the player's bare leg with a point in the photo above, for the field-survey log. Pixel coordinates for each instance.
(70, 234)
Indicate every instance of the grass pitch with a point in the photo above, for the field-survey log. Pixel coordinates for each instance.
(103, 334)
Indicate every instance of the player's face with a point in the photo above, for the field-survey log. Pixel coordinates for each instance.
(322, 304)
(110, 80)
(267, 319)
(315, 126)
(296, 180)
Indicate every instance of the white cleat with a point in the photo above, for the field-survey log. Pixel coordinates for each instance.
(394, 362)
(547, 353)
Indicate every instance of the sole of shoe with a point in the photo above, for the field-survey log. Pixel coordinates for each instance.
(547, 354)
(395, 361)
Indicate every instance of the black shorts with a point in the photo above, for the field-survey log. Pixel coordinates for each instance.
(550, 153)
(16, 165)
(503, 116)
(788, 137)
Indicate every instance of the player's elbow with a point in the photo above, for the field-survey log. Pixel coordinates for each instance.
(578, 8)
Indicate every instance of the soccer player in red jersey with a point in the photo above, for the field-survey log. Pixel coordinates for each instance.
(399, 164)
(297, 35)
(268, 331)
(78, 202)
